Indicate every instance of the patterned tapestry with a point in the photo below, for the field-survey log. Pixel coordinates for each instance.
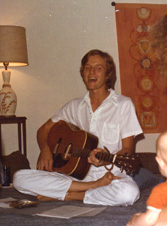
(140, 79)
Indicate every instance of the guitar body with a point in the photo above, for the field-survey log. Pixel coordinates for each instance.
(62, 139)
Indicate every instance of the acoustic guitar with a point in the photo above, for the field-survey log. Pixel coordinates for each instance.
(71, 147)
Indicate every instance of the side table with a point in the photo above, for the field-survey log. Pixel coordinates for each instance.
(21, 122)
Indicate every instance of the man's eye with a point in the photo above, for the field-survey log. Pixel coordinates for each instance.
(87, 68)
(99, 68)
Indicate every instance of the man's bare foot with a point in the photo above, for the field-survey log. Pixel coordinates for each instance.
(106, 179)
(44, 198)
(75, 196)
(79, 186)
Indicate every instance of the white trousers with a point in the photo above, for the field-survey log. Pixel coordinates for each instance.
(122, 191)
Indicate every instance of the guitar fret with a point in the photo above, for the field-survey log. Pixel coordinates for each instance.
(78, 152)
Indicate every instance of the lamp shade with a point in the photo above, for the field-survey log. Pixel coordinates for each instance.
(13, 47)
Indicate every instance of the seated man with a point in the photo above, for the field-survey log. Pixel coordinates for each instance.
(109, 116)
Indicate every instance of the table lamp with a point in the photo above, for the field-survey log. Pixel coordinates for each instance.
(13, 52)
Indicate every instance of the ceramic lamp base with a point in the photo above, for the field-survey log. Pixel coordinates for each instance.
(8, 99)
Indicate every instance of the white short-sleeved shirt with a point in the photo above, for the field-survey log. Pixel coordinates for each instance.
(114, 120)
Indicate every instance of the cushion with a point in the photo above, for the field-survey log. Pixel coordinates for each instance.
(148, 161)
(146, 178)
(15, 161)
(148, 175)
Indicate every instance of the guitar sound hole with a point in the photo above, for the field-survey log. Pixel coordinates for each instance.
(59, 161)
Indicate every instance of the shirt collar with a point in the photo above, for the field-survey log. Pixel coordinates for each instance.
(112, 98)
(85, 99)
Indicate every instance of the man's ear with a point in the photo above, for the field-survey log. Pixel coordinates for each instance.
(160, 161)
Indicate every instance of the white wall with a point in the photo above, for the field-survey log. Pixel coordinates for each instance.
(59, 33)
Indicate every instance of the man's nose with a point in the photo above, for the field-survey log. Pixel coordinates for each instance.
(92, 70)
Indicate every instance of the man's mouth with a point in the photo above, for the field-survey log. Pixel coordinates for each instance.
(92, 79)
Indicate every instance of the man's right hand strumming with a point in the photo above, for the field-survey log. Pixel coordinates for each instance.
(45, 160)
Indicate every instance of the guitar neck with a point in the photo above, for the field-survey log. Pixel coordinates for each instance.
(84, 153)
(129, 163)
(78, 152)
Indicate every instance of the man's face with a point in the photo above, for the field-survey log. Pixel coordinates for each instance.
(94, 73)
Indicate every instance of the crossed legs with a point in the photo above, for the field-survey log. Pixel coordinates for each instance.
(77, 189)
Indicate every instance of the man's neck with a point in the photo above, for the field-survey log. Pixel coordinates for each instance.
(97, 98)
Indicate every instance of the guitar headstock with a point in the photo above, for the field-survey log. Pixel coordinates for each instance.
(129, 163)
